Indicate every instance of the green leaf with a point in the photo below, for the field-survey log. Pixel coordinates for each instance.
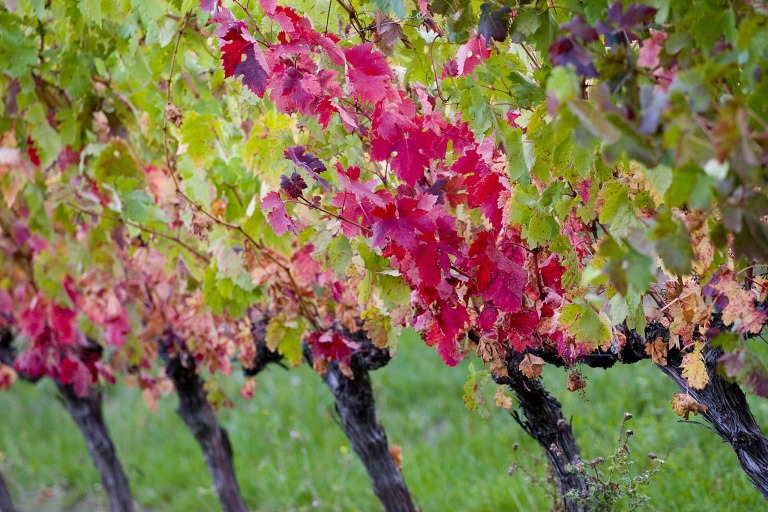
(470, 389)
(618, 309)
(116, 166)
(616, 211)
(46, 140)
(395, 7)
(284, 336)
(584, 323)
(673, 244)
(339, 253)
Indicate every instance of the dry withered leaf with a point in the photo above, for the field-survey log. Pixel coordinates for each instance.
(388, 33)
(684, 405)
(489, 352)
(658, 351)
(575, 382)
(531, 366)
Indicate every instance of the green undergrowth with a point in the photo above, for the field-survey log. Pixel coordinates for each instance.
(291, 455)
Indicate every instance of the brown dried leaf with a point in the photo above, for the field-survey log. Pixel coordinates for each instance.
(320, 366)
(575, 382)
(219, 207)
(201, 225)
(154, 326)
(697, 225)
(684, 404)
(173, 114)
(531, 366)
(388, 33)
(688, 312)
(658, 351)
(249, 386)
(489, 352)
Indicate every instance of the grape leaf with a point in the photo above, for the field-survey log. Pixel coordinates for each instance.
(694, 369)
(367, 72)
(277, 215)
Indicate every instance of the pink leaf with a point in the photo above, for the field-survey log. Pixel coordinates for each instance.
(277, 216)
(471, 54)
(367, 72)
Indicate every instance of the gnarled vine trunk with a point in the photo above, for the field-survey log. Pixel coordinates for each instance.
(6, 503)
(88, 415)
(727, 408)
(729, 414)
(199, 416)
(545, 423)
(356, 407)
(357, 410)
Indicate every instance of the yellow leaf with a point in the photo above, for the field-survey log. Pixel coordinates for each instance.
(694, 369)
(658, 351)
(377, 325)
(683, 405)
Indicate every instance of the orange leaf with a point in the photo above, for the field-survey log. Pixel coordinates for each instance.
(397, 455)
(741, 304)
(658, 351)
(683, 405)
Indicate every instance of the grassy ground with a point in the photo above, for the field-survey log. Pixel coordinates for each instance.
(291, 455)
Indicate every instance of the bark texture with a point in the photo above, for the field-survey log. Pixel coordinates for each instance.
(210, 435)
(6, 503)
(356, 407)
(730, 415)
(88, 415)
(544, 421)
(727, 408)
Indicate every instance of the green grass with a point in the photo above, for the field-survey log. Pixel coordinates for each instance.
(291, 455)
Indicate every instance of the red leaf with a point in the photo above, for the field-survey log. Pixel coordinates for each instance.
(552, 273)
(471, 54)
(498, 278)
(410, 160)
(294, 89)
(62, 320)
(268, 6)
(331, 346)
(30, 363)
(368, 73)
(76, 374)
(32, 152)
(253, 69)
(403, 220)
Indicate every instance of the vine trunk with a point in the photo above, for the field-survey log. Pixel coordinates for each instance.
(199, 416)
(88, 415)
